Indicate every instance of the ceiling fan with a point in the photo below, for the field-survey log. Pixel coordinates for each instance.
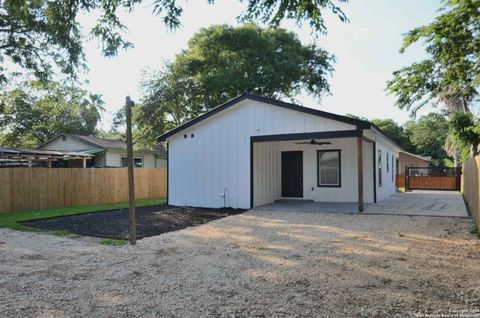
(314, 142)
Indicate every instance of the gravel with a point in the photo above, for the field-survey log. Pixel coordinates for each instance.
(256, 264)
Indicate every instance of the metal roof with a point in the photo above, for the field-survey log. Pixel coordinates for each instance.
(35, 154)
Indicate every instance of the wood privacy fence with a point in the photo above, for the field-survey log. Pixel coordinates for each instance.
(40, 188)
(400, 180)
(470, 187)
(433, 182)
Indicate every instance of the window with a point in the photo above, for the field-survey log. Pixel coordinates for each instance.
(328, 168)
(393, 173)
(379, 168)
(388, 163)
(137, 162)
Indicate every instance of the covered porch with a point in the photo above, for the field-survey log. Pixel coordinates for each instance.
(335, 167)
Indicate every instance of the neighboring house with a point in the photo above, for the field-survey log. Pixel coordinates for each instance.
(107, 152)
(407, 159)
(253, 150)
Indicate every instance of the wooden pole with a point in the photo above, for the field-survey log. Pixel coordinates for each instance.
(360, 172)
(131, 185)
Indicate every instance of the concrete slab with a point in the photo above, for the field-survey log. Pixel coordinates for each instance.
(421, 203)
(309, 206)
(426, 203)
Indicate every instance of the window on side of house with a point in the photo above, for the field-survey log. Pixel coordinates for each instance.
(379, 168)
(328, 168)
(387, 155)
(137, 162)
(393, 171)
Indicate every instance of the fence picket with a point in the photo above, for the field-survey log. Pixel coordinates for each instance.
(40, 188)
(470, 187)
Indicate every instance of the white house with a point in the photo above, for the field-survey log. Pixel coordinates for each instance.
(106, 152)
(253, 150)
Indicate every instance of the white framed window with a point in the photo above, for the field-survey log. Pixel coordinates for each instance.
(329, 168)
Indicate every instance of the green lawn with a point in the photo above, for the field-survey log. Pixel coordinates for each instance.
(11, 219)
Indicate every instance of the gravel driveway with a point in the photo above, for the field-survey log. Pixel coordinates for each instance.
(257, 264)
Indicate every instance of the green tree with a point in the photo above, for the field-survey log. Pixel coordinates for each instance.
(428, 135)
(450, 75)
(465, 129)
(222, 62)
(395, 132)
(37, 112)
(44, 35)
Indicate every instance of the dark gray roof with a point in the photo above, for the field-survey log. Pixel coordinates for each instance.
(102, 142)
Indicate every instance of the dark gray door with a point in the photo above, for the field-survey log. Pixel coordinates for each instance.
(292, 174)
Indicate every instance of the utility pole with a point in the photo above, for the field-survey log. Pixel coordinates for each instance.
(131, 190)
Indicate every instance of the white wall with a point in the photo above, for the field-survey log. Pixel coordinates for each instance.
(267, 171)
(160, 163)
(388, 184)
(114, 159)
(218, 156)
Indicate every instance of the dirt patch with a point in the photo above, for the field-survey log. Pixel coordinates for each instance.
(152, 220)
(255, 264)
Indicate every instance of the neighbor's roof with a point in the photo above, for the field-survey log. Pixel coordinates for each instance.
(426, 159)
(106, 143)
(35, 154)
(102, 142)
(361, 124)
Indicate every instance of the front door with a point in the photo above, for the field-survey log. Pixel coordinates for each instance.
(292, 174)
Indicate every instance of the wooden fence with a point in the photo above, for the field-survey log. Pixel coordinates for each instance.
(470, 187)
(400, 180)
(40, 188)
(433, 182)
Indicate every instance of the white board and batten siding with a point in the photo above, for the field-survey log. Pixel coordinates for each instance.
(216, 160)
(386, 147)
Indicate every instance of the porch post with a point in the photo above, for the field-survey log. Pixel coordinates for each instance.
(360, 172)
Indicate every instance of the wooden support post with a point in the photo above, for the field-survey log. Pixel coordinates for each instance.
(84, 162)
(360, 172)
(131, 185)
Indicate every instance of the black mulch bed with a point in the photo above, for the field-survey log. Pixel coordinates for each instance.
(152, 220)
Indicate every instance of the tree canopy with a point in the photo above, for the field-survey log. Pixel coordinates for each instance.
(465, 129)
(44, 36)
(36, 112)
(451, 72)
(425, 136)
(395, 132)
(220, 63)
(428, 134)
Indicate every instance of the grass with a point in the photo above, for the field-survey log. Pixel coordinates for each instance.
(12, 220)
(113, 242)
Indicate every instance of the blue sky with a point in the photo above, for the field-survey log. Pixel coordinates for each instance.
(366, 49)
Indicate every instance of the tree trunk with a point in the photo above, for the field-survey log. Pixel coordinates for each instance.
(457, 160)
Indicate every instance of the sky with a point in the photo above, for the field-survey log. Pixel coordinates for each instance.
(366, 49)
